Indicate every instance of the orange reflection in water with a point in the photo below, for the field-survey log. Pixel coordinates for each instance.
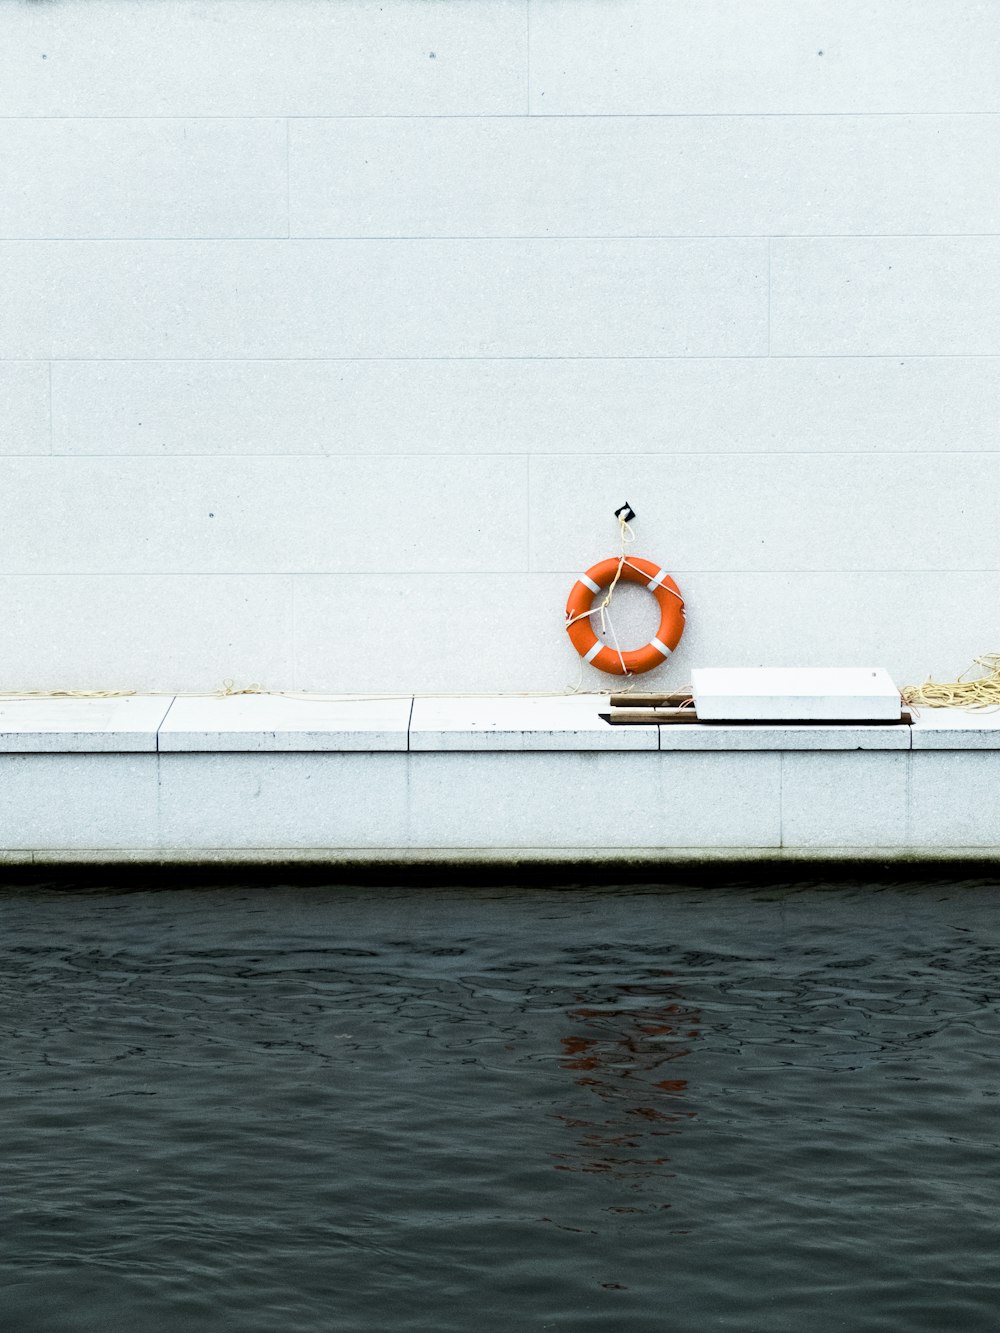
(623, 1052)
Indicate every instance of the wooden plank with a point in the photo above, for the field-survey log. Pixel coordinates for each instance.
(673, 700)
(630, 717)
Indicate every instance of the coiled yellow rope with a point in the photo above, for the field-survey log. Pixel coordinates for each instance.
(983, 692)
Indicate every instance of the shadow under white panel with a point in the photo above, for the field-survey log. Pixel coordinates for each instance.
(720, 736)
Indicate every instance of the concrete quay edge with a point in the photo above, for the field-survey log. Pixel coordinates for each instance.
(521, 858)
(287, 723)
(506, 782)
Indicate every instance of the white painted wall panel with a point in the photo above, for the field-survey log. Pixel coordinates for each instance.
(772, 512)
(262, 515)
(117, 178)
(461, 632)
(439, 632)
(453, 633)
(134, 632)
(753, 289)
(382, 298)
(589, 57)
(644, 175)
(913, 624)
(880, 296)
(24, 408)
(545, 406)
(263, 57)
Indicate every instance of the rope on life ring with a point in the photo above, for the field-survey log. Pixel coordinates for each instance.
(580, 608)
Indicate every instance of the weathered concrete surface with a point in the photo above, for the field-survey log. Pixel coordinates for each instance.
(367, 782)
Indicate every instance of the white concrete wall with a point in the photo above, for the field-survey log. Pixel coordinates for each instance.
(333, 332)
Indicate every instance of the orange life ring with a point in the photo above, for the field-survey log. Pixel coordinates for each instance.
(600, 655)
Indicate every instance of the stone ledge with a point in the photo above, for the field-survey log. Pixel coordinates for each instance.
(68, 726)
(569, 722)
(276, 722)
(290, 723)
(952, 729)
(783, 737)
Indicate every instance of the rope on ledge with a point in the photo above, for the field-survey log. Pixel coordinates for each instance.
(229, 690)
(980, 693)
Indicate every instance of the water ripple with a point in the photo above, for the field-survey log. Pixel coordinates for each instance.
(650, 1108)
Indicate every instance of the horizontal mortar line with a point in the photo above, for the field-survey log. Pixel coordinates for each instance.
(508, 236)
(607, 236)
(270, 574)
(553, 454)
(387, 359)
(497, 115)
(603, 356)
(591, 452)
(159, 240)
(782, 573)
(676, 570)
(196, 574)
(240, 360)
(337, 455)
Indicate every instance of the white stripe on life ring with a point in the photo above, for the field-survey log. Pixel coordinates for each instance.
(657, 579)
(589, 657)
(660, 647)
(589, 583)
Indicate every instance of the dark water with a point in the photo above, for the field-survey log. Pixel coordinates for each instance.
(501, 1109)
